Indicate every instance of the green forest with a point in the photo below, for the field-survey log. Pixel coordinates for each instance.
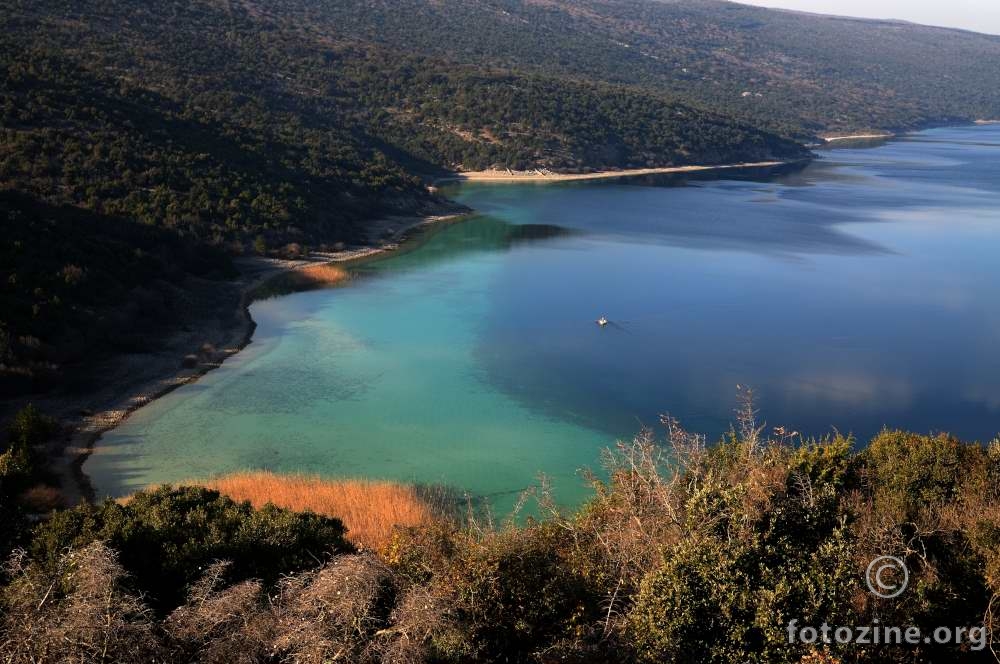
(221, 122)
(795, 73)
(298, 120)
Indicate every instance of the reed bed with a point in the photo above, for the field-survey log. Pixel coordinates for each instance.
(316, 276)
(323, 273)
(369, 508)
(310, 277)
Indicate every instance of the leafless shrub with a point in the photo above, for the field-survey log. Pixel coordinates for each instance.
(636, 513)
(333, 614)
(746, 417)
(423, 614)
(479, 519)
(640, 477)
(219, 625)
(81, 613)
(658, 493)
(687, 450)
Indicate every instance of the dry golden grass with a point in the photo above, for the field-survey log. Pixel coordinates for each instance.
(310, 277)
(370, 509)
(322, 274)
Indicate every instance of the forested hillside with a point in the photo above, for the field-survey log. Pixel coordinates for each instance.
(246, 125)
(298, 119)
(74, 282)
(224, 120)
(217, 124)
(793, 72)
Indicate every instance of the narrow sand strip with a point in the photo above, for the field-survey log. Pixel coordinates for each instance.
(831, 139)
(548, 176)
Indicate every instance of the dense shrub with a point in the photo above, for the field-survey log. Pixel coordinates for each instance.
(934, 502)
(167, 538)
(762, 539)
(733, 541)
(19, 468)
(517, 597)
(718, 600)
(79, 611)
(908, 474)
(686, 553)
(491, 595)
(28, 429)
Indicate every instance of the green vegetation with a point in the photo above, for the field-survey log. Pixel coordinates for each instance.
(793, 72)
(21, 466)
(165, 538)
(238, 119)
(686, 553)
(187, 130)
(190, 130)
(74, 283)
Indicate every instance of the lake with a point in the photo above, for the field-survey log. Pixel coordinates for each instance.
(858, 292)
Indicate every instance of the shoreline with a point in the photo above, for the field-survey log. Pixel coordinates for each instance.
(857, 137)
(85, 422)
(543, 175)
(85, 426)
(256, 274)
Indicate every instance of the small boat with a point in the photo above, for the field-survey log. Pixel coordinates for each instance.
(602, 321)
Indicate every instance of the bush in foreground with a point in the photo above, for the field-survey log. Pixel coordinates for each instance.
(19, 470)
(687, 553)
(80, 610)
(166, 538)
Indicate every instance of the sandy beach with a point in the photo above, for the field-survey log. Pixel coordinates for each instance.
(542, 175)
(857, 137)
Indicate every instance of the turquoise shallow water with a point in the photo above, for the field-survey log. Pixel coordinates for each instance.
(858, 292)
